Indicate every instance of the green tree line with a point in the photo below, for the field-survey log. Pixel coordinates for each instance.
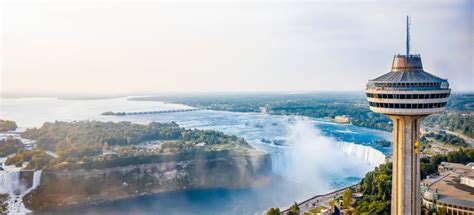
(81, 144)
(7, 125)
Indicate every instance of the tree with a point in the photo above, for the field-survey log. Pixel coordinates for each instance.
(294, 209)
(9, 146)
(7, 125)
(347, 198)
(376, 186)
(273, 211)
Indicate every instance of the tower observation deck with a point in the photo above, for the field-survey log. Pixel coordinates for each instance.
(407, 94)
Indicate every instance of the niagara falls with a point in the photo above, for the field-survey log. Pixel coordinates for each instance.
(312, 156)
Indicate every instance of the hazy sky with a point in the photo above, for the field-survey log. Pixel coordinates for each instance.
(151, 47)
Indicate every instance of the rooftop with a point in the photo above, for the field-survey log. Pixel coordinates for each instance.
(449, 186)
(469, 175)
(455, 166)
(409, 70)
(407, 74)
(413, 76)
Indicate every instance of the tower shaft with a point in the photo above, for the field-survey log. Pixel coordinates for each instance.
(406, 165)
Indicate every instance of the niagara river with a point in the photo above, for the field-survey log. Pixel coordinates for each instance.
(309, 156)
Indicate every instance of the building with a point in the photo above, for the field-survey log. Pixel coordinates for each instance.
(453, 189)
(407, 94)
(446, 167)
(342, 119)
(468, 180)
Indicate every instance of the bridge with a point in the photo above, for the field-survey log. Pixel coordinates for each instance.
(110, 113)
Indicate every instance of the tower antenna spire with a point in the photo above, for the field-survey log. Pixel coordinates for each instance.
(408, 37)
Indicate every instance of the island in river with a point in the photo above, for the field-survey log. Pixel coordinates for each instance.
(102, 161)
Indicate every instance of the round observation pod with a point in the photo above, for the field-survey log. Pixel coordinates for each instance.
(407, 89)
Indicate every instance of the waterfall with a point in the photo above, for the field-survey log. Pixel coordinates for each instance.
(361, 154)
(36, 179)
(366, 153)
(9, 181)
(314, 158)
(10, 184)
(278, 162)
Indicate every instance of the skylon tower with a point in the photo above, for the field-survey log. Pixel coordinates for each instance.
(407, 94)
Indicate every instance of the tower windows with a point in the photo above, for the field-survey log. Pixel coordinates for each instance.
(442, 85)
(408, 96)
(408, 105)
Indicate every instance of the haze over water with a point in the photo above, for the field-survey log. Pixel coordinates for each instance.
(316, 156)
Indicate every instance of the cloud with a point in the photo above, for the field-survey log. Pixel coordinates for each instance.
(117, 47)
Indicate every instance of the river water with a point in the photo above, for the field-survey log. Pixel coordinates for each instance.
(309, 156)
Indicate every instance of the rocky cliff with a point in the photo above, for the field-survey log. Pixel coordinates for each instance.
(65, 188)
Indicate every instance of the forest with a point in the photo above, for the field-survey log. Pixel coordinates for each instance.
(9, 146)
(81, 144)
(454, 121)
(445, 138)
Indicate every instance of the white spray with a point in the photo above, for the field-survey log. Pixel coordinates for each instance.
(314, 160)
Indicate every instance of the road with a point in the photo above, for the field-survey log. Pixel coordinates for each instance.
(320, 200)
(51, 153)
(468, 140)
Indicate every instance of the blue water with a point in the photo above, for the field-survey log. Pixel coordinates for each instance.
(312, 156)
(209, 201)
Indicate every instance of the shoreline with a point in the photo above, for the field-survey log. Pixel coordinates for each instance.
(273, 179)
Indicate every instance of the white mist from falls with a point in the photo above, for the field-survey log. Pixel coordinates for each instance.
(314, 160)
(10, 183)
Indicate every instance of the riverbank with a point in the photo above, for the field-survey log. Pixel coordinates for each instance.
(66, 188)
